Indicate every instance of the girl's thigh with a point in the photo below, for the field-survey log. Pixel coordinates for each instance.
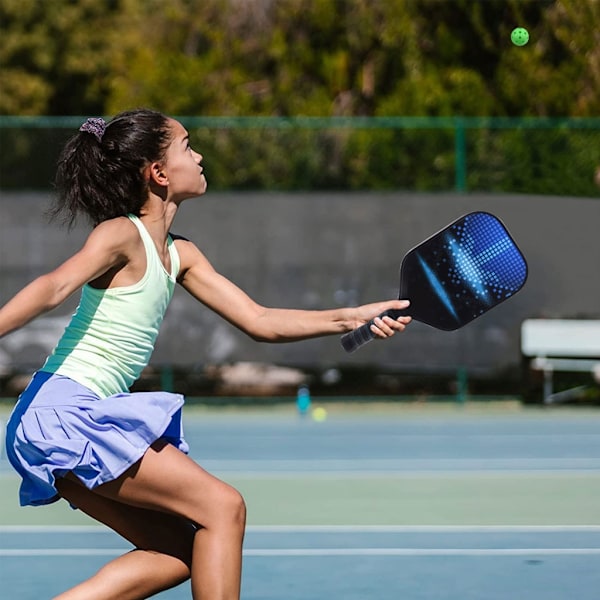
(145, 528)
(167, 480)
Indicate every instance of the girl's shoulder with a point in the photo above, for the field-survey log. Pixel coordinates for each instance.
(123, 225)
(189, 254)
(119, 232)
(176, 236)
(120, 227)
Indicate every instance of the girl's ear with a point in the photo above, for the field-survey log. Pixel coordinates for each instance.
(157, 175)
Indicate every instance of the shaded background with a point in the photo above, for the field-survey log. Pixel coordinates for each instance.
(322, 250)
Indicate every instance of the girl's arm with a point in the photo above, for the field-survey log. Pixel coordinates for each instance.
(106, 247)
(200, 279)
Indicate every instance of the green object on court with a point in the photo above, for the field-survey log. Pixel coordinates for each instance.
(519, 36)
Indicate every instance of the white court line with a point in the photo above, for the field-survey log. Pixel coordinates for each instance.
(41, 529)
(422, 528)
(421, 551)
(324, 552)
(394, 464)
(310, 552)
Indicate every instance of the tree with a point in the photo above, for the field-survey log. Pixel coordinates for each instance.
(55, 56)
(292, 57)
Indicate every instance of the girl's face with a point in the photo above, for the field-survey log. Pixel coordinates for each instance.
(182, 166)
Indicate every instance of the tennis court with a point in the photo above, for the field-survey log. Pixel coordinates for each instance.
(376, 502)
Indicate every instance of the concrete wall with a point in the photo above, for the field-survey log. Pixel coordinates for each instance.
(323, 250)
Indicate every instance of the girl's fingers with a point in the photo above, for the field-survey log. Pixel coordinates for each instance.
(386, 326)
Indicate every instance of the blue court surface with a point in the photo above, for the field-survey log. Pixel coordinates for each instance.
(376, 502)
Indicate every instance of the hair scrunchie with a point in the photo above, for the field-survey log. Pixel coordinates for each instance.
(96, 126)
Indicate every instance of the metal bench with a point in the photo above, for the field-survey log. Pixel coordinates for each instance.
(561, 345)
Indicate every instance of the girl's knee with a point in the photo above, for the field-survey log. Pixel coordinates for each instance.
(236, 507)
(229, 509)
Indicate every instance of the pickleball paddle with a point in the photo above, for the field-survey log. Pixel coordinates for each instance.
(455, 276)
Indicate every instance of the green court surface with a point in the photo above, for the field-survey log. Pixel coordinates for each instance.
(478, 499)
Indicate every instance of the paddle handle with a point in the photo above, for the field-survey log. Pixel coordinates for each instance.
(362, 335)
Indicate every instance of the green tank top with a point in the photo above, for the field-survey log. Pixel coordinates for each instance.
(111, 336)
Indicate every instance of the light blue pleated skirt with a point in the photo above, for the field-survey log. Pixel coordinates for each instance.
(59, 426)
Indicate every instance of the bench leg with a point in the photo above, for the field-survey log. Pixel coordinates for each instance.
(548, 384)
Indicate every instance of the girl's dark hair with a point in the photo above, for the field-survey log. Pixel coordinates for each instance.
(102, 176)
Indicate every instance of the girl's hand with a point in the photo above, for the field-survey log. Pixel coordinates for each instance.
(383, 327)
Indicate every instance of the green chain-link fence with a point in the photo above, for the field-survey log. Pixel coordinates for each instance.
(517, 155)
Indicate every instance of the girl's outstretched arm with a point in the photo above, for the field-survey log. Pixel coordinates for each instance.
(200, 279)
(106, 247)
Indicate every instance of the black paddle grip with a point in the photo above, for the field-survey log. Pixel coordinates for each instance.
(362, 335)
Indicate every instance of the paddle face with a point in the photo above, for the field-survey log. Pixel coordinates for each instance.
(462, 272)
(455, 276)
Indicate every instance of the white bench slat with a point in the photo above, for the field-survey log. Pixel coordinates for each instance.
(561, 345)
(576, 338)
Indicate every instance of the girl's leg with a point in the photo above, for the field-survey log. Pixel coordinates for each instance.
(167, 480)
(163, 542)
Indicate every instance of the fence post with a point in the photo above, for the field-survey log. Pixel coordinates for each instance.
(167, 379)
(460, 156)
(462, 385)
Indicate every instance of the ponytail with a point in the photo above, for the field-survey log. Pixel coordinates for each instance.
(100, 171)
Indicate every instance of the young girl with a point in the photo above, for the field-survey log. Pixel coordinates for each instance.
(76, 432)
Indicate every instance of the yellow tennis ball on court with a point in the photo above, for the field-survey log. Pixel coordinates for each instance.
(319, 414)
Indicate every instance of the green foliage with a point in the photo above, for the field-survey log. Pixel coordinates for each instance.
(290, 57)
(541, 161)
(317, 58)
(55, 56)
